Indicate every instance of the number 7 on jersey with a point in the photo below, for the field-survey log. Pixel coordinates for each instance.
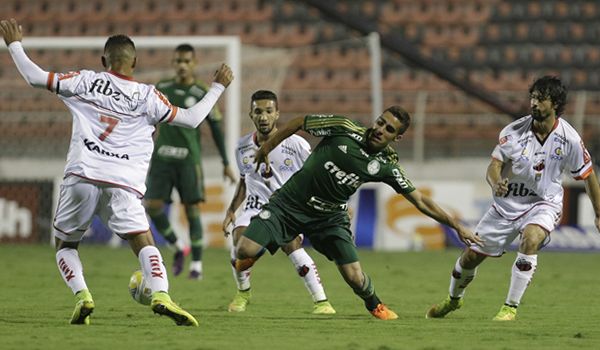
(112, 123)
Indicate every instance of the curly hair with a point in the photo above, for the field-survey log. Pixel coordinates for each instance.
(551, 87)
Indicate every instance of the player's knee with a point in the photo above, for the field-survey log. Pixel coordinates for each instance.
(192, 211)
(292, 246)
(154, 208)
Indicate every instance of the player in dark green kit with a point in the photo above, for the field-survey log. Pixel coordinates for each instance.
(313, 200)
(176, 161)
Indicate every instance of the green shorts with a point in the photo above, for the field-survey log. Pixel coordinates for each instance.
(186, 177)
(279, 223)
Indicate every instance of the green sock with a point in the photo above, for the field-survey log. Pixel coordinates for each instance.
(367, 293)
(162, 224)
(195, 233)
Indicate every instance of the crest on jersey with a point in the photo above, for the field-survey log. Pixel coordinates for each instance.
(373, 167)
(343, 148)
(265, 214)
(246, 160)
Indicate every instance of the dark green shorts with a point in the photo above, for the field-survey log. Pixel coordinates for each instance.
(329, 233)
(186, 177)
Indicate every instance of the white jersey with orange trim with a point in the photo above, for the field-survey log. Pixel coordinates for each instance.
(113, 123)
(535, 167)
(285, 159)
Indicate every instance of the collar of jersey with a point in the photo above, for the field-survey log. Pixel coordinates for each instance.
(120, 75)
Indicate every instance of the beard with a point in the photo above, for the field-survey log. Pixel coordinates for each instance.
(538, 116)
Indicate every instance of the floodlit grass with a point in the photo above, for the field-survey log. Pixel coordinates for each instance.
(560, 310)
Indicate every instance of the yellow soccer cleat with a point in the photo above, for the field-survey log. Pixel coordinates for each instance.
(445, 307)
(323, 307)
(83, 308)
(163, 305)
(240, 301)
(383, 313)
(506, 313)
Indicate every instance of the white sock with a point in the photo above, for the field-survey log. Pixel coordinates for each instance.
(180, 245)
(522, 273)
(306, 268)
(196, 266)
(242, 278)
(154, 269)
(460, 279)
(71, 269)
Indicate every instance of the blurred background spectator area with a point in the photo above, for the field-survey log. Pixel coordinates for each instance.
(320, 66)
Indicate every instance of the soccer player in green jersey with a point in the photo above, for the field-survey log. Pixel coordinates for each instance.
(176, 162)
(313, 200)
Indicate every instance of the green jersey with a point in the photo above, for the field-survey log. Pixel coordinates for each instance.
(340, 164)
(179, 144)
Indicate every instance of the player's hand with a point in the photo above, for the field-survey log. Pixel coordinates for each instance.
(229, 219)
(501, 188)
(11, 31)
(468, 237)
(228, 174)
(224, 75)
(262, 156)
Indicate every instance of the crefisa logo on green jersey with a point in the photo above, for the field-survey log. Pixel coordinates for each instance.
(343, 178)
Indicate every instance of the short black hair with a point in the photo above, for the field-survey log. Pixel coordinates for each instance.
(185, 48)
(551, 87)
(265, 95)
(402, 115)
(117, 42)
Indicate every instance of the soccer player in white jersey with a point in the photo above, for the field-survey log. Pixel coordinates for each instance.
(255, 188)
(111, 144)
(525, 178)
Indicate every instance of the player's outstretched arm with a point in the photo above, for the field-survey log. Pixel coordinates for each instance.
(592, 188)
(236, 201)
(31, 72)
(193, 116)
(428, 207)
(283, 133)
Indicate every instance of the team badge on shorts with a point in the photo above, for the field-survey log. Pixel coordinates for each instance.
(373, 167)
(264, 214)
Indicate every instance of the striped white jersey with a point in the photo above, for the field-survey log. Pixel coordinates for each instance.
(285, 159)
(535, 167)
(113, 123)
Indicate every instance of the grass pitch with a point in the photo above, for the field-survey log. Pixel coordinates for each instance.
(559, 311)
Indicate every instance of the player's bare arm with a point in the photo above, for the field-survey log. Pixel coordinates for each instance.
(228, 174)
(592, 188)
(11, 31)
(238, 198)
(428, 207)
(262, 155)
(494, 178)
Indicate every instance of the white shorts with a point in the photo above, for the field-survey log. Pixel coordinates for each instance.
(245, 217)
(122, 211)
(498, 232)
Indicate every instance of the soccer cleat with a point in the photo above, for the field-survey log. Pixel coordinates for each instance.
(163, 305)
(323, 307)
(83, 308)
(239, 302)
(383, 313)
(178, 259)
(506, 313)
(445, 307)
(196, 275)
